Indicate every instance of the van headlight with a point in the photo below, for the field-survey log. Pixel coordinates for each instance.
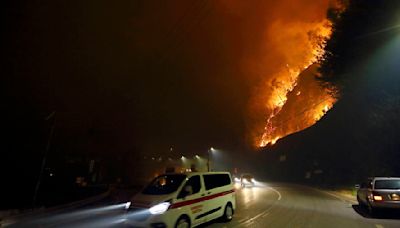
(159, 208)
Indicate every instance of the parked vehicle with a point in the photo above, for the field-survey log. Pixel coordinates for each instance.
(379, 192)
(183, 200)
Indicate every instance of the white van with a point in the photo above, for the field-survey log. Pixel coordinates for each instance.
(183, 200)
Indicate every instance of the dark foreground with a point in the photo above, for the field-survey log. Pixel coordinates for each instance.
(266, 205)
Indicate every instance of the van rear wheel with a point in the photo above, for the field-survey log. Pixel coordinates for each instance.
(182, 222)
(228, 213)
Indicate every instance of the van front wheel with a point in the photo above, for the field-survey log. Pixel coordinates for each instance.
(182, 222)
(228, 213)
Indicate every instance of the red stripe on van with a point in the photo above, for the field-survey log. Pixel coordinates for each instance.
(188, 202)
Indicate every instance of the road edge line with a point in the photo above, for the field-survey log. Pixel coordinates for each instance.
(338, 196)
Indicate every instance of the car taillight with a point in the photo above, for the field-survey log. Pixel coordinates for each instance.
(377, 198)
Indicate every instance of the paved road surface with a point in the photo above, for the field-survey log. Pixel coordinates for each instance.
(284, 205)
(266, 205)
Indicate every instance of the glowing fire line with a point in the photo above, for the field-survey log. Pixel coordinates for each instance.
(279, 96)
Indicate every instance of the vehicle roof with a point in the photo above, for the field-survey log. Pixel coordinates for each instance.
(386, 178)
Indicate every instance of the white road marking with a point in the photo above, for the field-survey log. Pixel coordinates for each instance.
(251, 220)
(337, 197)
(242, 220)
(277, 192)
(379, 226)
(265, 215)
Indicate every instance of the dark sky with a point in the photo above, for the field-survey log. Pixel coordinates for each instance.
(124, 76)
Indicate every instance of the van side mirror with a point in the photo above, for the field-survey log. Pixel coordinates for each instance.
(357, 186)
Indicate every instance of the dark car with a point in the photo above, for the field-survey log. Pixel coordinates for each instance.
(379, 192)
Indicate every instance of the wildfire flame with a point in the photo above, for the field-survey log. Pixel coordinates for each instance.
(287, 80)
(281, 43)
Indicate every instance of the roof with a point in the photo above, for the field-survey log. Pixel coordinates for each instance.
(386, 178)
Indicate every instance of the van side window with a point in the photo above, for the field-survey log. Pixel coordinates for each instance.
(192, 186)
(216, 180)
(195, 183)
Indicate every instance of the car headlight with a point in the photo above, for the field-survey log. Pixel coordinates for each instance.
(127, 205)
(159, 208)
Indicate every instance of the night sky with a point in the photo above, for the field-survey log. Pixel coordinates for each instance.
(128, 76)
(125, 79)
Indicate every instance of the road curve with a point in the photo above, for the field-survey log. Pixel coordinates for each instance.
(287, 205)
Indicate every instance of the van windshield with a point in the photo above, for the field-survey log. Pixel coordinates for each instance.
(164, 184)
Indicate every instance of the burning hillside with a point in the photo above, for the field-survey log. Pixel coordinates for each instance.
(288, 97)
(304, 105)
(281, 120)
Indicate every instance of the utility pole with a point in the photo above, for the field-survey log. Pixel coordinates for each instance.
(52, 115)
(208, 160)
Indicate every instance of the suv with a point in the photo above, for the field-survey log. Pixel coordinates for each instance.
(379, 192)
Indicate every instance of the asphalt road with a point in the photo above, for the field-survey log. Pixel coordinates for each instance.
(285, 205)
(266, 205)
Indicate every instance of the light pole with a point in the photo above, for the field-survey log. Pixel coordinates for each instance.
(208, 158)
(50, 137)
